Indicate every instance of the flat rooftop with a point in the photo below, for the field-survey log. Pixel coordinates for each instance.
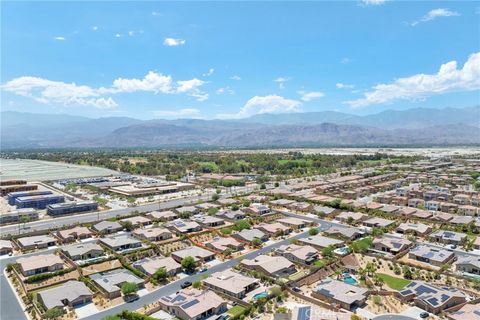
(37, 170)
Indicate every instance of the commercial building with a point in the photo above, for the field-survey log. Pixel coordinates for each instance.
(38, 202)
(59, 209)
(12, 196)
(29, 214)
(4, 190)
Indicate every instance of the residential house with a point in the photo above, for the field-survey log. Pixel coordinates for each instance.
(461, 220)
(248, 235)
(137, 221)
(111, 282)
(150, 265)
(339, 293)
(193, 304)
(467, 210)
(152, 234)
(347, 216)
(231, 215)
(73, 234)
(391, 245)
(431, 255)
(258, 209)
(469, 264)
(121, 243)
(274, 266)
(418, 229)
(467, 312)
(197, 253)
(207, 221)
(231, 283)
(348, 233)
(448, 237)
(83, 251)
(378, 223)
(295, 223)
(36, 242)
(432, 205)
(223, 244)
(431, 298)
(5, 247)
(162, 215)
(298, 254)
(181, 226)
(37, 264)
(320, 242)
(107, 227)
(72, 293)
(274, 229)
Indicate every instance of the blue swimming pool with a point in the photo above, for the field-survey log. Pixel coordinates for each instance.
(260, 295)
(348, 279)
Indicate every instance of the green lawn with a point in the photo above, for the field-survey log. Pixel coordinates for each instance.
(319, 263)
(236, 311)
(394, 282)
(296, 275)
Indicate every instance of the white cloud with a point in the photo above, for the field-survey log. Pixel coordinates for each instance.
(345, 60)
(309, 96)
(57, 92)
(373, 2)
(118, 35)
(131, 33)
(47, 91)
(225, 90)
(420, 86)
(340, 85)
(153, 82)
(435, 13)
(265, 104)
(209, 72)
(156, 14)
(94, 28)
(281, 81)
(235, 77)
(172, 42)
(191, 87)
(60, 38)
(187, 112)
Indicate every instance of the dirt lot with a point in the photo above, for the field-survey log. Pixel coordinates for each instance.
(100, 267)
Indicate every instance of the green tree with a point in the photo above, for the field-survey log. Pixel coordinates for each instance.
(129, 288)
(196, 284)
(241, 225)
(256, 242)
(215, 197)
(160, 275)
(328, 252)
(188, 264)
(313, 231)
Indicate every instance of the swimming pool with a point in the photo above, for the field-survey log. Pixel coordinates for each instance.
(348, 279)
(260, 295)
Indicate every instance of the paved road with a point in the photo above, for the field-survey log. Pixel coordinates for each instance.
(175, 286)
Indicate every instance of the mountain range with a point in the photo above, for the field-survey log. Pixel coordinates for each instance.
(412, 127)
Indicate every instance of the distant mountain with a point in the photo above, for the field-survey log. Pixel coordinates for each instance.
(390, 119)
(389, 128)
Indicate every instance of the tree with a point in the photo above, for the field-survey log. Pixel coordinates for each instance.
(355, 317)
(196, 284)
(188, 263)
(129, 288)
(53, 313)
(212, 211)
(328, 252)
(256, 242)
(160, 275)
(215, 197)
(128, 225)
(263, 186)
(242, 224)
(313, 231)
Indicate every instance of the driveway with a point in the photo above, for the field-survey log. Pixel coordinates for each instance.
(86, 310)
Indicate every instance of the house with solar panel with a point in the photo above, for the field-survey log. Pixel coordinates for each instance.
(431, 255)
(193, 304)
(431, 298)
(337, 292)
(181, 226)
(448, 237)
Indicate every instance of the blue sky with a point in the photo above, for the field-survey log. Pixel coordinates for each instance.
(236, 59)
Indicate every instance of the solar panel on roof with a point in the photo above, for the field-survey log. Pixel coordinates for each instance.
(444, 297)
(421, 289)
(190, 303)
(433, 301)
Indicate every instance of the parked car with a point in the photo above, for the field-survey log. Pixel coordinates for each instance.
(186, 284)
(424, 315)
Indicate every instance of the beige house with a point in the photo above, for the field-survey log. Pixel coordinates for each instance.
(33, 265)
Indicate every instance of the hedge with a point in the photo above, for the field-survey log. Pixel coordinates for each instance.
(44, 276)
